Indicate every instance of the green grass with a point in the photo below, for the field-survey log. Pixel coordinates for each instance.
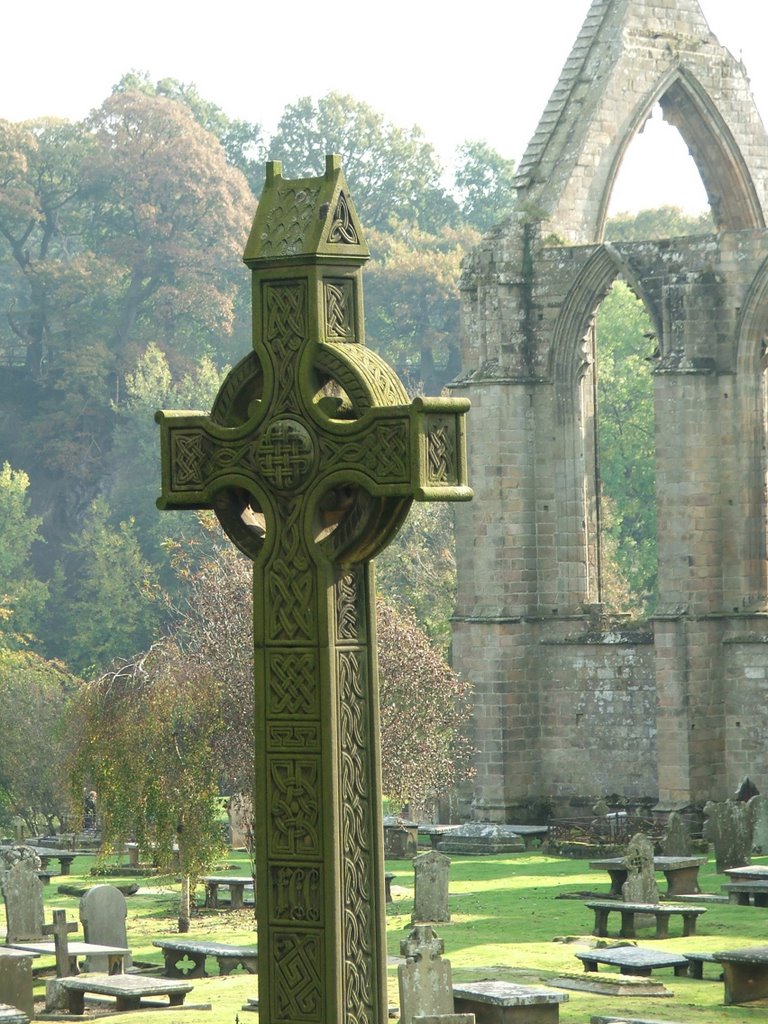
(505, 918)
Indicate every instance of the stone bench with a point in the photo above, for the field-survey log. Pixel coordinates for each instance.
(237, 884)
(127, 989)
(745, 973)
(501, 1002)
(185, 958)
(747, 892)
(634, 960)
(660, 911)
(696, 964)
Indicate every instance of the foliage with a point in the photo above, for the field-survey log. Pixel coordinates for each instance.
(627, 449)
(424, 709)
(417, 571)
(412, 302)
(22, 596)
(33, 696)
(144, 739)
(393, 173)
(105, 593)
(485, 185)
(662, 222)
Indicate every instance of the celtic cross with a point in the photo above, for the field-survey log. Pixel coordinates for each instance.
(310, 458)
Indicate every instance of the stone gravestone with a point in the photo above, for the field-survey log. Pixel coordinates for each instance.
(728, 826)
(641, 885)
(16, 986)
(759, 809)
(103, 913)
(431, 887)
(424, 980)
(677, 837)
(22, 893)
(310, 458)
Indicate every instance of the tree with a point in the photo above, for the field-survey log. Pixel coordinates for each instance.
(412, 302)
(393, 173)
(485, 184)
(103, 598)
(22, 596)
(627, 446)
(144, 738)
(662, 222)
(425, 708)
(34, 695)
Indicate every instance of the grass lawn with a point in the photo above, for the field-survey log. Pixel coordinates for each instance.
(505, 920)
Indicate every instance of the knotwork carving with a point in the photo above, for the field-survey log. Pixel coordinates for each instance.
(291, 587)
(293, 679)
(339, 311)
(342, 229)
(285, 332)
(294, 810)
(441, 450)
(347, 609)
(355, 767)
(189, 458)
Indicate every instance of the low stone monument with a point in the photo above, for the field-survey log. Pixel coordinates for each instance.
(728, 826)
(480, 838)
(22, 893)
(103, 913)
(641, 885)
(759, 808)
(424, 980)
(16, 980)
(430, 872)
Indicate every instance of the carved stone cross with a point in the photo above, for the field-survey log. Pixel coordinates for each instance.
(60, 931)
(310, 458)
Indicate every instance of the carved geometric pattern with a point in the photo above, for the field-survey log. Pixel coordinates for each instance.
(380, 380)
(293, 683)
(296, 893)
(298, 959)
(287, 736)
(189, 452)
(384, 456)
(240, 388)
(285, 332)
(358, 881)
(342, 229)
(441, 450)
(286, 454)
(347, 611)
(293, 806)
(291, 582)
(286, 228)
(339, 310)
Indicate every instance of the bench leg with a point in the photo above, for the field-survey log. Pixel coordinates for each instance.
(662, 926)
(176, 998)
(128, 1003)
(601, 923)
(744, 983)
(75, 1001)
(192, 964)
(627, 924)
(635, 972)
(681, 971)
(590, 965)
(689, 924)
(237, 896)
(211, 895)
(696, 969)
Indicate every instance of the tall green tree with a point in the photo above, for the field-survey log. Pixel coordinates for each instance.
(104, 599)
(393, 173)
(22, 595)
(627, 447)
(484, 184)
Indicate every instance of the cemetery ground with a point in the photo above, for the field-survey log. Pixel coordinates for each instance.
(506, 918)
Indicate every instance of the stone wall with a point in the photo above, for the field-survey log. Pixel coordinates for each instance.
(529, 565)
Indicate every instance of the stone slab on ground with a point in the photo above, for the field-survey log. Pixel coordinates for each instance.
(482, 838)
(601, 1019)
(12, 1015)
(611, 985)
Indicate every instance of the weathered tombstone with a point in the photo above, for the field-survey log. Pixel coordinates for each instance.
(641, 885)
(22, 893)
(424, 980)
(431, 887)
(677, 837)
(16, 980)
(310, 458)
(728, 826)
(103, 913)
(758, 806)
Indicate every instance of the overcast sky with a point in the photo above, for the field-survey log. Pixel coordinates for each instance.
(480, 70)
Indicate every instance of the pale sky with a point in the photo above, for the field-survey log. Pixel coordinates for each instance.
(480, 70)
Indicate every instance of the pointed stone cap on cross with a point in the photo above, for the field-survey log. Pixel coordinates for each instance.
(299, 217)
